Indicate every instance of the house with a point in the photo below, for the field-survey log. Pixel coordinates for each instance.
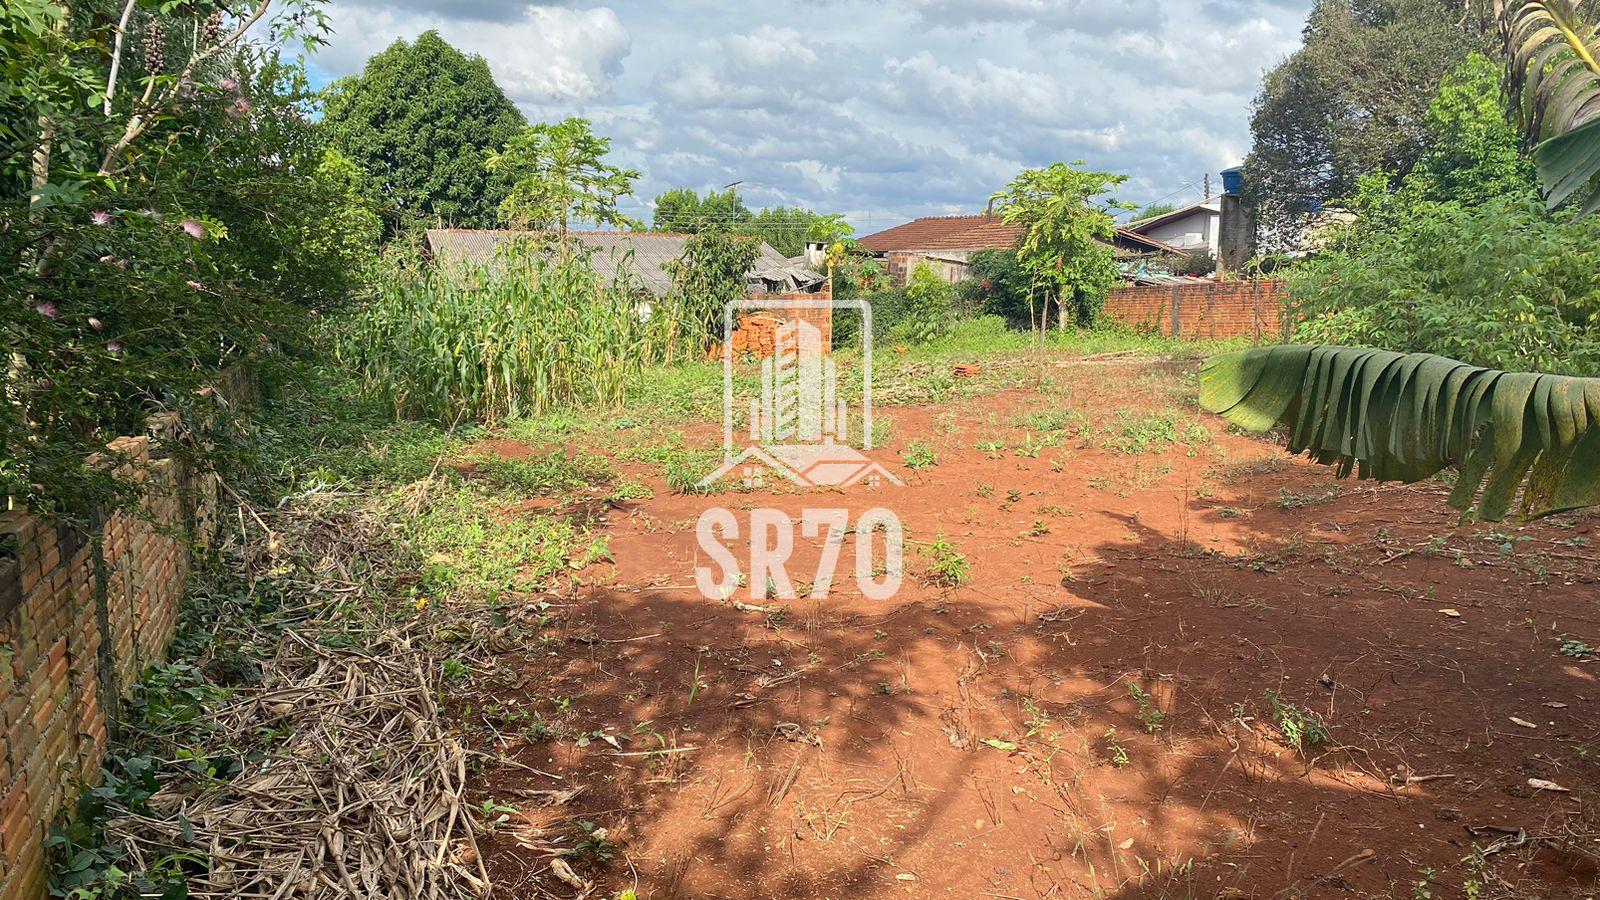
(1192, 229)
(946, 244)
(639, 256)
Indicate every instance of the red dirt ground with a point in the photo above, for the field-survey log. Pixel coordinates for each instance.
(838, 749)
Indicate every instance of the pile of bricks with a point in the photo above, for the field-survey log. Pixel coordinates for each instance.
(756, 335)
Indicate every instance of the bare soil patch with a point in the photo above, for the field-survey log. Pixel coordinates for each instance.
(1106, 707)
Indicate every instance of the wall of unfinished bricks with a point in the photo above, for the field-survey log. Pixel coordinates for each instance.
(816, 309)
(82, 613)
(1218, 309)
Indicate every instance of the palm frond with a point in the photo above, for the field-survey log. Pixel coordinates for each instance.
(1404, 417)
(1553, 59)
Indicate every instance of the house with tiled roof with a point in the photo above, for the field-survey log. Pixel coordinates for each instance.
(639, 257)
(946, 244)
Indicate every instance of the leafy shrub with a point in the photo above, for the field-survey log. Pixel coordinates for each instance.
(223, 223)
(929, 310)
(1502, 284)
(1300, 728)
(1003, 286)
(1459, 257)
(889, 308)
(710, 275)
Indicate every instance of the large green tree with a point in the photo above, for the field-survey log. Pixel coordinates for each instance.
(421, 119)
(1350, 101)
(785, 228)
(683, 211)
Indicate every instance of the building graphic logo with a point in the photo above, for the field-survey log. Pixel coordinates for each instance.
(799, 425)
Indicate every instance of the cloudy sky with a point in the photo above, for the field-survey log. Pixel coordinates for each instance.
(880, 109)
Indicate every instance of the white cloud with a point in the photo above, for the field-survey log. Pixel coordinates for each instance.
(1231, 57)
(983, 88)
(1086, 16)
(547, 53)
(884, 109)
(771, 45)
(819, 173)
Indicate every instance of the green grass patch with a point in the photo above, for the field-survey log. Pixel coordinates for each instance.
(545, 474)
(471, 542)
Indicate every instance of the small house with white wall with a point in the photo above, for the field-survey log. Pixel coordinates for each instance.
(1192, 229)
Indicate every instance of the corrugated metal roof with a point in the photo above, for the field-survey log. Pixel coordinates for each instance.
(645, 254)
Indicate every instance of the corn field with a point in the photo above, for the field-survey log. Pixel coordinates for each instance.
(524, 337)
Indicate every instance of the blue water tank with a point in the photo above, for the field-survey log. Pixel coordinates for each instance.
(1233, 180)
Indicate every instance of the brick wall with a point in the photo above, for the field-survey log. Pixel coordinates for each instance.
(1219, 309)
(816, 309)
(81, 615)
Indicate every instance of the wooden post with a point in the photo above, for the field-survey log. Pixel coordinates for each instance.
(1177, 304)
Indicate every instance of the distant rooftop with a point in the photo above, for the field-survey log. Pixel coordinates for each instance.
(643, 253)
(976, 232)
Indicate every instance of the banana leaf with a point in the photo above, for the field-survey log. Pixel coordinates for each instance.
(1407, 416)
(1553, 63)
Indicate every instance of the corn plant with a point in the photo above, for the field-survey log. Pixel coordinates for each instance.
(522, 337)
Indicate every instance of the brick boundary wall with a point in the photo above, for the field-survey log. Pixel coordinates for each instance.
(789, 307)
(1213, 309)
(81, 616)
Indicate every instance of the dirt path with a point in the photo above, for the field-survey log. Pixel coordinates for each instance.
(1104, 708)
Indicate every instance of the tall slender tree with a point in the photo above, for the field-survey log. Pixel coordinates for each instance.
(559, 175)
(1066, 244)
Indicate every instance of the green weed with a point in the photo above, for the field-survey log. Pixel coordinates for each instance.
(948, 567)
(919, 455)
(1148, 713)
(1300, 728)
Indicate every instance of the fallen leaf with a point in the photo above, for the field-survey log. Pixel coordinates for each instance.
(905, 876)
(999, 744)
(562, 871)
(1539, 784)
(1523, 722)
(1452, 613)
(1556, 705)
(1125, 844)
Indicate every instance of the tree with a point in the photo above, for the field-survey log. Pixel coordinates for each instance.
(682, 211)
(154, 237)
(709, 276)
(1002, 285)
(1152, 210)
(1066, 242)
(1352, 100)
(786, 229)
(1474, 152)
(929, 310)
(559, 175)
(1474, 160)
(421, 119)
